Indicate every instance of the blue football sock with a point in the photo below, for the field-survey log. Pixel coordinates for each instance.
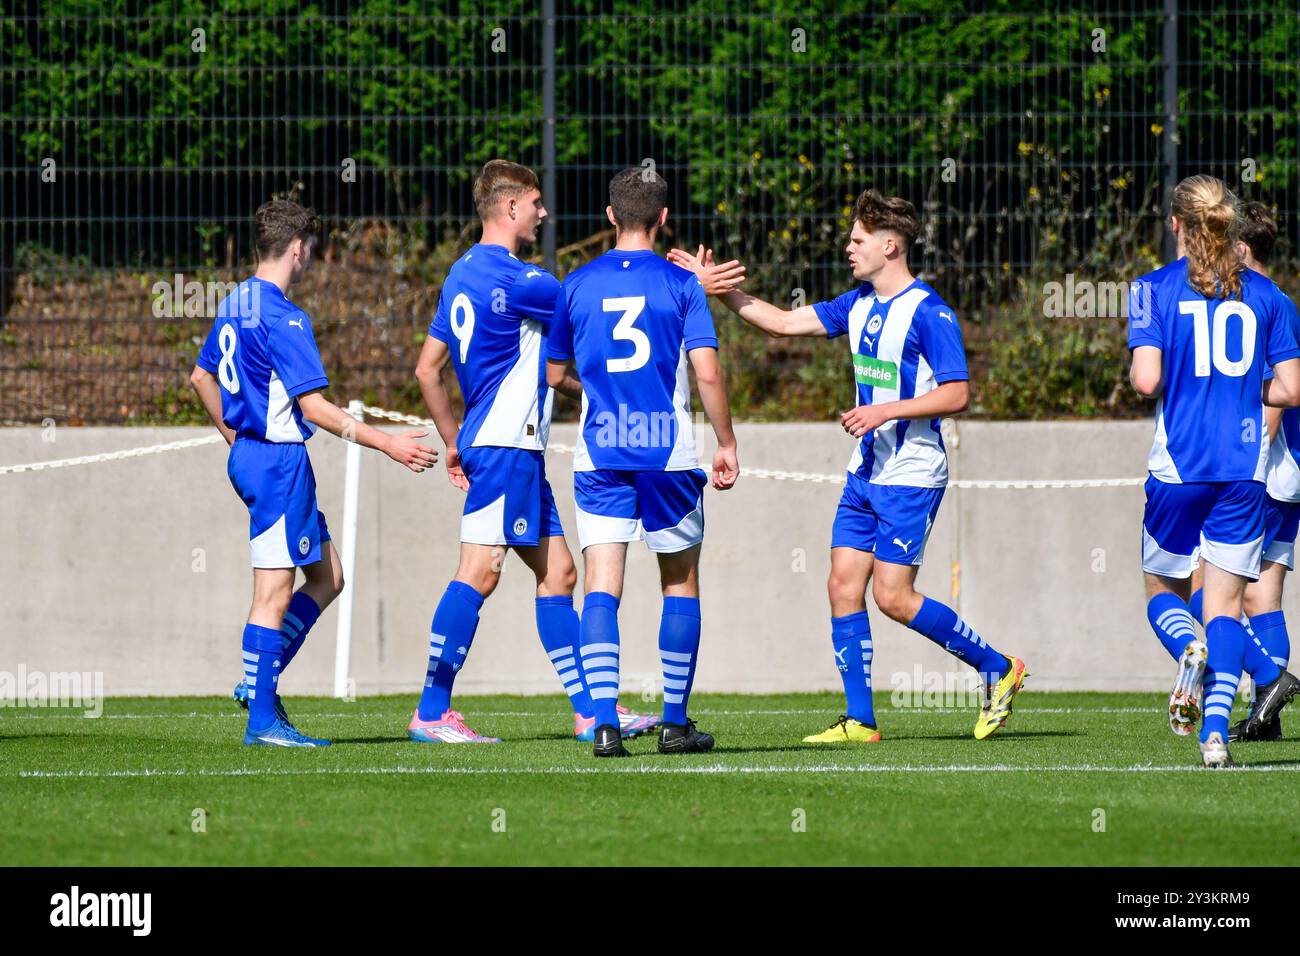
(298, 620)
(1256, 659)
(1270, 631)
(941, 624)
(262, 647)
(1172, 622)
(599, 629)
(558, 627)
(1225, 641)
(452, 633)
(851, 638)
(1196, 604)
(679, 646)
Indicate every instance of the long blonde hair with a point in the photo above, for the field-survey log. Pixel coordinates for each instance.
(1208, 214)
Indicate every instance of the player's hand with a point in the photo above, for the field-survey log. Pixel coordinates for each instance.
(716, 279)
(858, 421)
(455, 470)
(405, 450)
(725, 467)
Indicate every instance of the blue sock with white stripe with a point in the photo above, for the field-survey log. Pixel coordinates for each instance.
(1172, 621)
(558, 627)
(1225, 641)
(262, 646)
(298, 620)
(1257, 660)
(1196, 604)
(679, 646)
(1270, 631)
(851, 638)
(941, 624)
(452, 633)
(599, 629)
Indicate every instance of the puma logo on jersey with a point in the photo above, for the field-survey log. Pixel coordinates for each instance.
(946, 315)
(530, 273)
(903, 545)
(297, 322)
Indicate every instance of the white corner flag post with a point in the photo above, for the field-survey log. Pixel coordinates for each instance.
(351, 497)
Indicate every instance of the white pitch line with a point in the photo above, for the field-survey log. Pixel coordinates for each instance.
(718, 769)
(811, 712)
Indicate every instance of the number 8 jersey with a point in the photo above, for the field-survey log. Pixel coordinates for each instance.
(263, 352)
(492, 313)
(627, 319)
(1215, 354)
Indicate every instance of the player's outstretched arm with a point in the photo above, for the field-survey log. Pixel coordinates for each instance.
(950, 398)
(1283, 389)
(722, 281)
(207, 387)
(563, 377)
(713, 395)
(1147, 371)
(403, 448)
(428, 372)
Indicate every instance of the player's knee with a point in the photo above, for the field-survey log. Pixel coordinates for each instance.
(561, 580)
(894, 602)
(844, 588)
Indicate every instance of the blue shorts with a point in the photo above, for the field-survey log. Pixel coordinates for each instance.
(509, 501)
(285, 527)
(1281, 520)
(1220, 521)
(666, 508)
(891, 521)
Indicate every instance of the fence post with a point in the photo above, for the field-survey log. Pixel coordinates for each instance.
(351, 497)
(548, 128)
(1169, 141)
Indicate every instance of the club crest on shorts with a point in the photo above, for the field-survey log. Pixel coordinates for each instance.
(304, 545)
(521, 525)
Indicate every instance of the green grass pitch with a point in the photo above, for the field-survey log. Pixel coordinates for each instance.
(123, 789)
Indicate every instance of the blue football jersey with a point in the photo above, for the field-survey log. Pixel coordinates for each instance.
(1214, 352)
(627, 319)
(1283, 478)
(263, 352)
(902, 347)
(493, 312)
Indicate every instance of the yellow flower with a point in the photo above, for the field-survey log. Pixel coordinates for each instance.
(1025, 148)
(1006, 267)
(1119, 182)
(722, 207)
(785, 234)
(794, 187)
(1157, 128)
(1101, 94)
(803, 160)
(757, 156)
(1033, 192)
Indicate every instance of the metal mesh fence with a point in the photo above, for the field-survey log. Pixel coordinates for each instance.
(1038, 141)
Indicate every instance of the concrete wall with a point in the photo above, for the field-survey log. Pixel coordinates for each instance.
(138, 568)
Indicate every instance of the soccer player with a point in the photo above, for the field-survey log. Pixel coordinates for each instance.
(1263, 603)
(910, 368)
(491, 324)
(631, 322)
(259, 375)
(1203, 330)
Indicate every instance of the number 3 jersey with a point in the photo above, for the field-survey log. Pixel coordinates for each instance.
(902, 347)
(627, 319)
(1215, 353)
(493, 313)
(263, 352)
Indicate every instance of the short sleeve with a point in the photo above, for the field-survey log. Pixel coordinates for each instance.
(210, 354)
(834, 313)
(1144, 320)
(697, 331)
(941, 345)
(533, 295)
(559, 337)
(294, 355)
(439, 328)
(1282, 324)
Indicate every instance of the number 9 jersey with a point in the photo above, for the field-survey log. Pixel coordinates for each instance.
(1215, 355)
(263, 352)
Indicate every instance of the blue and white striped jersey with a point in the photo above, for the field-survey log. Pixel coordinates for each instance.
(1283, 474)
(262, 350)
(493, 313)
(902, 347)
